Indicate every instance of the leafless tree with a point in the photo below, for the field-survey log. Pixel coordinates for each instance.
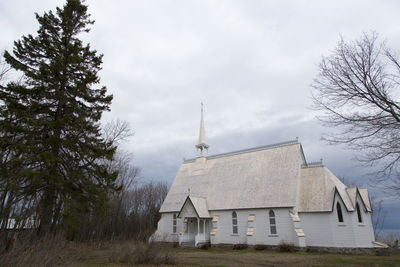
(357, 92)
(378, 216)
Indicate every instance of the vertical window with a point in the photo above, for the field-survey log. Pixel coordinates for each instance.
(174, 223)
(272, 222)
(358, 213)
(234, 223)
(339, 212)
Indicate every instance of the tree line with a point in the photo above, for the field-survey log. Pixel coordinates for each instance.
(61, 170)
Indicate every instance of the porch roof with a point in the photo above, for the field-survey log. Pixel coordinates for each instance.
(200, 206)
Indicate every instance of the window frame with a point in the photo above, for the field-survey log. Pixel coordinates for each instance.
(174, 223)
(359, 216)
(339, 212)
(235, 229)
(272, 223)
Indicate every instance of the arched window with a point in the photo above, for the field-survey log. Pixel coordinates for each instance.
(339, 212)
(234, 223)
(272, 222)
(174, 223)
(358, 213)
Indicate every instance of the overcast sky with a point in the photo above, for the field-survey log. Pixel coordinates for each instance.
(250, 62)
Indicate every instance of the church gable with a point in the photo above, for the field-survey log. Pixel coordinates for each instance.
(187, 210)
(194, 207)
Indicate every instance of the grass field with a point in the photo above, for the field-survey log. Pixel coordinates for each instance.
(107, 255)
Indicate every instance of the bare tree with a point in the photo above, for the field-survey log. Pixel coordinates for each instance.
(378, 217)
(357, 90)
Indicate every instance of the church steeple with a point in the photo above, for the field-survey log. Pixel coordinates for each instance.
(201, 146)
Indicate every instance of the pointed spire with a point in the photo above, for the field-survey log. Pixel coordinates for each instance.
(201, 146)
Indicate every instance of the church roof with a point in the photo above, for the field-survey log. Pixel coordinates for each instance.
(318, 187)
(270, 176)
(317, 190)
(253, 178)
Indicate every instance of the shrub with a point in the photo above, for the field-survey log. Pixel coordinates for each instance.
(144, 253)
(204, 246)
(260, 247)
(285, 247)
(240, 246)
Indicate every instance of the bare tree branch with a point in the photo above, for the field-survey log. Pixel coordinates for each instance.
(357, 92)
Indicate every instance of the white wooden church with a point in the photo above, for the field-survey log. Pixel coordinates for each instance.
(263, 195)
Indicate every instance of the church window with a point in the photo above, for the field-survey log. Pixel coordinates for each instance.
(174, 223)
(339, 212)
(359, 213)
(272, 222)
(234, 223)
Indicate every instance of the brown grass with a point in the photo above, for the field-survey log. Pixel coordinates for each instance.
(286, 247)
(47, 251)
(143, 253)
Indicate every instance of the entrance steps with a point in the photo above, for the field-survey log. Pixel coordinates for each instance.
(188, 244)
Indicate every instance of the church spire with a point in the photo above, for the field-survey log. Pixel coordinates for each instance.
(201, 146)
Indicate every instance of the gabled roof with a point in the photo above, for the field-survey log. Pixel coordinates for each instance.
(200, 206)
(317, 190)
(362, 193)
(253, 178)
(270, 176)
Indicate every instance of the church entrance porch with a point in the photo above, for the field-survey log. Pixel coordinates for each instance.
(196, 232)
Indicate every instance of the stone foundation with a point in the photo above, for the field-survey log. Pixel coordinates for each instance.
(333, 250)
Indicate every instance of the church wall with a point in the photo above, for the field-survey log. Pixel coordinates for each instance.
(317, 228)
(324, 229)
(261, 226)
(364, 233)
(164, 231)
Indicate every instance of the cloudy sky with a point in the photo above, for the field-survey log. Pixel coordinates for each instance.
(250, 62)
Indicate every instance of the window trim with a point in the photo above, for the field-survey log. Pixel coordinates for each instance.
(235, 229)
(359, 216)
(339, 212)
(174, 224)
(272, 223)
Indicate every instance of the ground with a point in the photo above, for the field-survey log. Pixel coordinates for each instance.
(107, 255)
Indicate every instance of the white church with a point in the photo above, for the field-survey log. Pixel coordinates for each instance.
(263, 195)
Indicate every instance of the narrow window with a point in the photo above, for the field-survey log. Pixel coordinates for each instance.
(234, 223)
(358, 213)
(174, 224)
(272, 222)
(339, 212)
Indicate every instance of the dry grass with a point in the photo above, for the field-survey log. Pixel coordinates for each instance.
(286, 247)
(47, 251)
(143, 253)
(58, 252)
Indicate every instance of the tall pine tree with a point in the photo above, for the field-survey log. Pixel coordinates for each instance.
(53, 118)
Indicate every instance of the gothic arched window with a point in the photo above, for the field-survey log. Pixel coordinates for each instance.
(234, 223)
(174, 223)
(359, 213)
(272, 222)
(339, 212)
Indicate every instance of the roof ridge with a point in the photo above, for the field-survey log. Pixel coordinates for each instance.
(253, 149)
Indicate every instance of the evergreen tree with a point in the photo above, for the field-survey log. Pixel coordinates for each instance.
(53, 116)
